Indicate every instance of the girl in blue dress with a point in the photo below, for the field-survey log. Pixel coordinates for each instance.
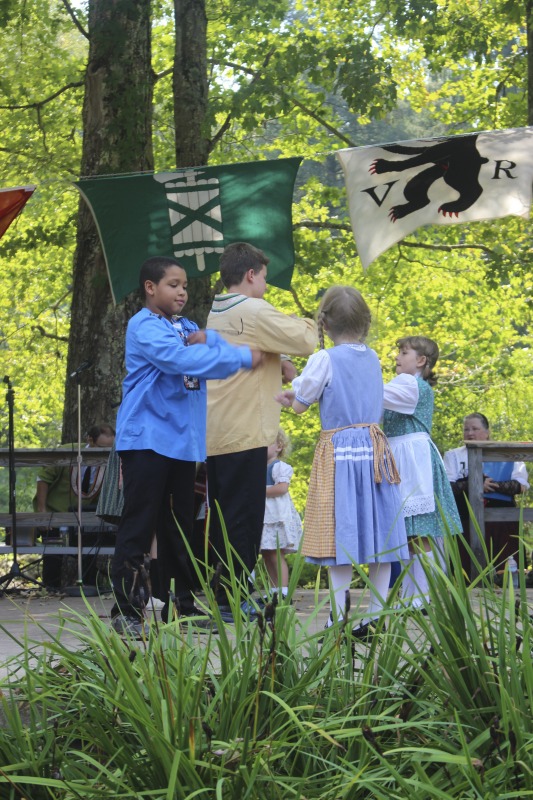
(353, 512)
(407, 423)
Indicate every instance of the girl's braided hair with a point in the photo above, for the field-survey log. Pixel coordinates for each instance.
(343, 311)
(423, 347)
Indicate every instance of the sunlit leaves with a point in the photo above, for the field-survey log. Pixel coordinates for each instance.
(290, 78)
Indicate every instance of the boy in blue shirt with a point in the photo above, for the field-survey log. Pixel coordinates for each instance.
(160, 438)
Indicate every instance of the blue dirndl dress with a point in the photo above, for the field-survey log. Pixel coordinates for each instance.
(368, 526)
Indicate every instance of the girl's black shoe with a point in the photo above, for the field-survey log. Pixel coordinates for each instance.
(363, 633)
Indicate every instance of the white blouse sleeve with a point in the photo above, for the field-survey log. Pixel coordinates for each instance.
(282, 472)
(520, 473)
(456, 464)
(315, 376)
(401, 394)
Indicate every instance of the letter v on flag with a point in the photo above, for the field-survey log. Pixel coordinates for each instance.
(393, 189)
(192, 214)
(12, 201)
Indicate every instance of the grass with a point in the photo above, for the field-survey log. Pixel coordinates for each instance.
(436, 706)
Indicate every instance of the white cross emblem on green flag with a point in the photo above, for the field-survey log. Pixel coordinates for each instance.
(195, 214)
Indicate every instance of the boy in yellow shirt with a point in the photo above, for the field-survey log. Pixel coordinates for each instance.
(242, 415)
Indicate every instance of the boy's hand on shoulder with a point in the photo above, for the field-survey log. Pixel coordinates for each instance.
(257, 358)
(288, 371)
(197, 337)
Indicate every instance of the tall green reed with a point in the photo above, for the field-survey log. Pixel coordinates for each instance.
(435, 706)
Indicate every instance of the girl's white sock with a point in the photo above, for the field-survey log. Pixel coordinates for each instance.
(408, 589)
(415, 586)
(379, 577)
(340, 578)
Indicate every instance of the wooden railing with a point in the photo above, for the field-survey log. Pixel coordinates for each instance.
(55, 457)
(48, 457)
(478, 452)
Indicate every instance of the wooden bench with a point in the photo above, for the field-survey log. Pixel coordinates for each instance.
(48, 457)
(478, 452)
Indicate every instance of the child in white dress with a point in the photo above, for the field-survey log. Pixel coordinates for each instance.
(429, 508)
(282, 529)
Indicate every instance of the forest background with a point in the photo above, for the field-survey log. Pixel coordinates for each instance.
(115, 86)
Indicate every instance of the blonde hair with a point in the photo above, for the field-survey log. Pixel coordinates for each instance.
(344, 311)
(423, 347)
(283, 442)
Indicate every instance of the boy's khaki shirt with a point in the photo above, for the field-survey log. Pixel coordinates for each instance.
(241, 411)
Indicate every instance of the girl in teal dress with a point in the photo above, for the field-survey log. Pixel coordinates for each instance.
(429, 507)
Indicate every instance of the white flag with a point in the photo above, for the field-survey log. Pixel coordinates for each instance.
(395, 188)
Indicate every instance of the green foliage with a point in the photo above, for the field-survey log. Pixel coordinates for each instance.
(285, 78)
(445, 709)
(40, 54)
(433, 707)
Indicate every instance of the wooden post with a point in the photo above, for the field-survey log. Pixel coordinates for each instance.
(475, 496)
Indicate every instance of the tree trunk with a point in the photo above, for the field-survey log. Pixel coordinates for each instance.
(529, 29)
(117, 125)
(190, 89)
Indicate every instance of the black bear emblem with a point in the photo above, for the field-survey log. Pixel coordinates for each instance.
(455, 160)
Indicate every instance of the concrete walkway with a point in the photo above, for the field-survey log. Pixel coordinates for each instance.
(34, 618)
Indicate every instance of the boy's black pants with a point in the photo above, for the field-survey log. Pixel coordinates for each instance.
(156, 489)
(237, 482)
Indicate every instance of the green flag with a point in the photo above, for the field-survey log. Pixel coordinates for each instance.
(192, 214)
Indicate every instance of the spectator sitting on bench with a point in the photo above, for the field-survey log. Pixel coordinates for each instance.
(57, 491)
(502, 481)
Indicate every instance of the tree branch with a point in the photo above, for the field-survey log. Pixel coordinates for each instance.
(511, 72)
(75, 19)
(321, 121)
(255, 77)
(41, 103)
(448, 248)
(309, 223)
(234, 65)
(159, 75)
(42, 331)
(342, 226)
(303, 311)
(60, 300)
(221, 131)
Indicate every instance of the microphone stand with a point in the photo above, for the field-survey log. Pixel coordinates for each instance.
(15, 572)
(79, 589)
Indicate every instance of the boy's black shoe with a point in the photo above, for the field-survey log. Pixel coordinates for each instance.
(129, 625)
(248, 610)
(194, 616)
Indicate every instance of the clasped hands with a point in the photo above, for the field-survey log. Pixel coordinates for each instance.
(200, 337)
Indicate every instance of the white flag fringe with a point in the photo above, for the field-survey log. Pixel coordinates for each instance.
(393, 189)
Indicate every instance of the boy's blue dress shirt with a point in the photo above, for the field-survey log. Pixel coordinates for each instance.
(158, 412)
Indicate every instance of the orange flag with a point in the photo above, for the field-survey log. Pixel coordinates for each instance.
(12, 201)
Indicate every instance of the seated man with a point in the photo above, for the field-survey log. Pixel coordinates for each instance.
(57, 490)
(503, 480)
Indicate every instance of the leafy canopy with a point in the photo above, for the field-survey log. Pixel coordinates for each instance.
(289, 78)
